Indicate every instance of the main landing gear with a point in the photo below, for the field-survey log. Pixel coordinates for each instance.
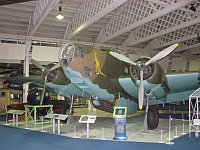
(151, 119)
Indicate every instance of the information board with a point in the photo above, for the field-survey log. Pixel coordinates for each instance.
(56, 116)
(87, 119)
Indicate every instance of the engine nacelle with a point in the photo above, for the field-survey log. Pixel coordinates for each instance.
(153, 72)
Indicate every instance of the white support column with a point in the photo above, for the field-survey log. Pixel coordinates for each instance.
(26, 69)
(66, 31)
(112, 31)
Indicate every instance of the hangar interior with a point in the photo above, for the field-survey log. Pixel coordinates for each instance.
(29, 29)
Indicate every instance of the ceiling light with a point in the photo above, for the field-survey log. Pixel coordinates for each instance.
(60, 15)
(192, 8)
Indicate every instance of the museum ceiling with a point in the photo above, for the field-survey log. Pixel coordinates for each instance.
(151, 24)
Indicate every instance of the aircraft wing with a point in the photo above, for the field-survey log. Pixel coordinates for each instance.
(23, 79)
(175, 88)
(86, 85)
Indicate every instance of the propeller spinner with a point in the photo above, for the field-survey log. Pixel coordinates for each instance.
(157, 57)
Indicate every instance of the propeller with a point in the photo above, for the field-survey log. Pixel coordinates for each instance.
(122, 58)
(37, 64)
(157, 57)
(46, 72)
(55, 66)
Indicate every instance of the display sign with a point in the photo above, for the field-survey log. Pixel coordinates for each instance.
(120, 112)
(56, 116)
(119, 116)
(87, 119)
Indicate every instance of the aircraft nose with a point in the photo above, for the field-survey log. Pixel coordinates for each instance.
(67, 54)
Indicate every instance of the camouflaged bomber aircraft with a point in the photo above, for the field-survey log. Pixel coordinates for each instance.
(110, 79)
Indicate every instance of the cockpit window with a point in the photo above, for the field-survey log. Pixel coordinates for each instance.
(67, 54)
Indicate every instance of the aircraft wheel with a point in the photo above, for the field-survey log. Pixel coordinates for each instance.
(152, 118)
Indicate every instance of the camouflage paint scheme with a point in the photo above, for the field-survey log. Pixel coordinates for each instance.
(95, 74)
(108, 78)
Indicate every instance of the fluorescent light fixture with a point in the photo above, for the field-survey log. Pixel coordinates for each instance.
(60, 15)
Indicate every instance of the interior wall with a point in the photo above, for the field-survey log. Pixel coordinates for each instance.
(12, 51)
(44, 53)
(178, 64)
(194, 66)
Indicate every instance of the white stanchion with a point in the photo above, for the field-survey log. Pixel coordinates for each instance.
(26, 125)
(161, 136)
(169, 138)
(174, 110)
(176, 133)
(13, 119)
(58, 126)
(182, 117)
(7, 120)
(75, 134)
(54, 126)
(183, 131)
(43, 125)
(17, 120)
(103, 134)
(88, 128)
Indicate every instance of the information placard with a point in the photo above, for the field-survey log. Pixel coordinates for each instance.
(87, 119)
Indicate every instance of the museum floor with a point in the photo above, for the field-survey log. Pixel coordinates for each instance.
(103, 128)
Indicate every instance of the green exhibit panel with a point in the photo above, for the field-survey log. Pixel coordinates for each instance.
(31, 112)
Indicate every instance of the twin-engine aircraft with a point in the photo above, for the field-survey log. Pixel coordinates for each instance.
(110, 79)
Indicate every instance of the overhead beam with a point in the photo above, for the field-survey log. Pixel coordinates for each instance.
(179, 49)
(195, 50)
(42, 9)
(147, 19)
(131, 42)
(109, 8)
(157, 46)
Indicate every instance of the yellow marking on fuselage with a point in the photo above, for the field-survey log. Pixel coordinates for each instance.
(98, 65)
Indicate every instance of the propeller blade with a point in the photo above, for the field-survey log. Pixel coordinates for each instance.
(162, 54)
(55, 67)
(43, 91)
(141, 91)
(37, 64)
(122, 58)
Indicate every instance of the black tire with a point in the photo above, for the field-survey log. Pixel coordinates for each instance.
(152, 118)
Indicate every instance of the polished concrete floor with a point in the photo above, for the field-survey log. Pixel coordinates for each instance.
(103, 128)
